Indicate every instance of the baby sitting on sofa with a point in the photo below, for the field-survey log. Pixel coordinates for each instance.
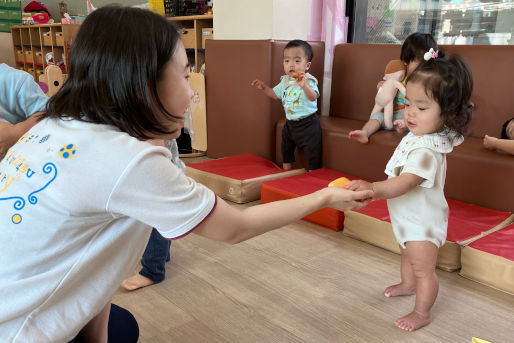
(413, 49)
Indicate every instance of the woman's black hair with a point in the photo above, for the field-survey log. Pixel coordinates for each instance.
(504, 129)
(450, 83)
(117, 59)
(415, 45)
(307, 48)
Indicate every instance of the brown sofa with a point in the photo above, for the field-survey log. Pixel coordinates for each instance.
(475, 175)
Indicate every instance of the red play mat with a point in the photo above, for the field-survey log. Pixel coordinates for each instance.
(303, 184)
(239, 167)
(499, 243)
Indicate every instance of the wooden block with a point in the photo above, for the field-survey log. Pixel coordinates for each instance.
(198, 112)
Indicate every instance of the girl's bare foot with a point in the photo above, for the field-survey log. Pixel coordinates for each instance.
(413, 321)
(135, 282)
(359, 136)
(400, 289)
(400, 126)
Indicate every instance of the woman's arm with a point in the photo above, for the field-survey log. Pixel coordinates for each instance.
(232, 225)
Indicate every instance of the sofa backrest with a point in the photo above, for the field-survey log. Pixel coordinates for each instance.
(358, 67)
(240, 118)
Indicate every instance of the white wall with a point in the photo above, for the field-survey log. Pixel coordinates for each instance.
(243, 19)
(292, 19)
(267, 19)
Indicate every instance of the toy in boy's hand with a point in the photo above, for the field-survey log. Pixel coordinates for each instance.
(394, 74)
(341, 182)
(296, 75)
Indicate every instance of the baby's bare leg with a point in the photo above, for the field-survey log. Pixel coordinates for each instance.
(362, 135)
(408, 284)
(423, 258)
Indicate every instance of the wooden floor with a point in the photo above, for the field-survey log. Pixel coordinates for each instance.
(303, 283)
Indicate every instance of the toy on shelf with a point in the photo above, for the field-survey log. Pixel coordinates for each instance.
(51, 80)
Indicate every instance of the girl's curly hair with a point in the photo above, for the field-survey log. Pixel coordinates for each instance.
(450, 83)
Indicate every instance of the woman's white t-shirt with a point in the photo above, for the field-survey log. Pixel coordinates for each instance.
(77, 204)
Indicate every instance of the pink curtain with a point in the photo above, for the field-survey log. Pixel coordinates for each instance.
(328, 24)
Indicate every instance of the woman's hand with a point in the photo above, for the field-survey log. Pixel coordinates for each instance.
(345, 199)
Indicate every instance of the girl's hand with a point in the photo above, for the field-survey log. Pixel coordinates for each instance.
(490, 142)
(400, 125)
(359, 185)
(259, 84)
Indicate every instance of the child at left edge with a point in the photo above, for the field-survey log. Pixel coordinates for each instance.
(437, 112)
(299, 92)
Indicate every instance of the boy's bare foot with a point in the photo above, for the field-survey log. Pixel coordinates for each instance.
(413, 321)
(399, 289)
(359, 136)
(135, 282)
(400, 126)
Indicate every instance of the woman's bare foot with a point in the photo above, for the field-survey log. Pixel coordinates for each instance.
(400, 126)
(413, 321)
(359, 136)
(400, 289)
(135, 282)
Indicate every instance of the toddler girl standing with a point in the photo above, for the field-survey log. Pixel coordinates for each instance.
(437, 112)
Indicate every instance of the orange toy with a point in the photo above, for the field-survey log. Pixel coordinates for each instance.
(341, 182)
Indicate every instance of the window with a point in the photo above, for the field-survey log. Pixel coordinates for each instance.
(449, 21)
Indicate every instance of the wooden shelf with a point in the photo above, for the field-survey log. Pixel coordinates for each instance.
(193, 38)
(31, 43)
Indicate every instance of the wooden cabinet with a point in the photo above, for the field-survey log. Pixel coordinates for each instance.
(33, 43)
(191, 28)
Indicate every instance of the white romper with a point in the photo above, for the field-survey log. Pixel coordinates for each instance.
(422, 213)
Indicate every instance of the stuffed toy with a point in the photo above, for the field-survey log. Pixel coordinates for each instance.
(394, 74)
